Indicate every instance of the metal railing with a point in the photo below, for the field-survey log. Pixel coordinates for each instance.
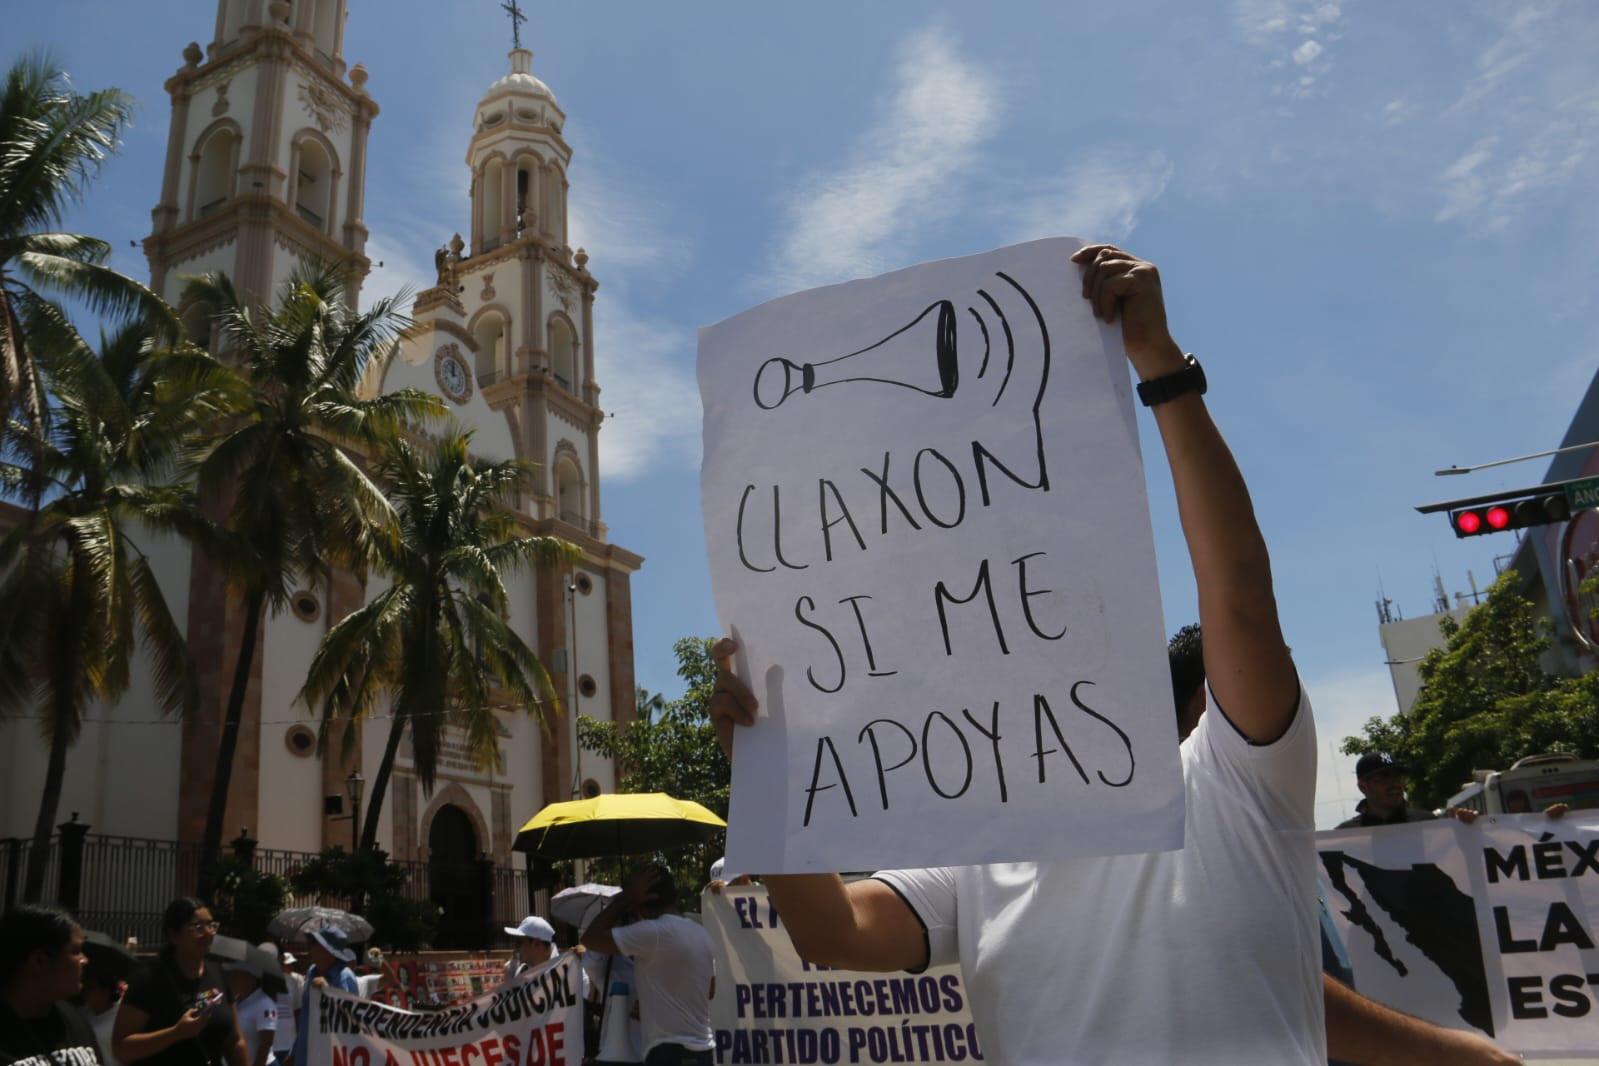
(120, 885)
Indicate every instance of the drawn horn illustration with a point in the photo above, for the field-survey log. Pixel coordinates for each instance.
(920, 356)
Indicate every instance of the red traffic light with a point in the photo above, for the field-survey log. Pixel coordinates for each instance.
(1467, 523)
(1498, 517)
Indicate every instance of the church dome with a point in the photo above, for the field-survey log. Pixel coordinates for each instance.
(519, 82)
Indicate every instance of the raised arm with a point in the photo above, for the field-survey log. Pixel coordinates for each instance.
(1246, 661)
(861, 926)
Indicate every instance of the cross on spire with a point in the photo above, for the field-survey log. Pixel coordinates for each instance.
(517, 18)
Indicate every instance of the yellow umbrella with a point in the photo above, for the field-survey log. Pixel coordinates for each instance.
(616, 824)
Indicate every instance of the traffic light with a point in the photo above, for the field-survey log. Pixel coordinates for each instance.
(1536, 511)
(1516, 509)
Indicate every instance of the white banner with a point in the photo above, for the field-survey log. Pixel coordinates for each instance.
(770, 1007)
(1488, 926)
(535, 1021)
(925, 511)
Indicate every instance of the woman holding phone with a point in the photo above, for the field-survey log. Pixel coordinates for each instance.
(175, 1012)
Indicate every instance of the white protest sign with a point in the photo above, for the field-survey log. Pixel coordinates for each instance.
(536, 1020)
(925, 511)
(770, 1007)
(1489, 926)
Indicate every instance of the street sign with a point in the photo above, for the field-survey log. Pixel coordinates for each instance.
(1583, 494)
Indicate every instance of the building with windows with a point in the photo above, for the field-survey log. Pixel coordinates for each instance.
(265, 167)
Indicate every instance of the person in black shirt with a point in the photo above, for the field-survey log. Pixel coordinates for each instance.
(175, 1012)
(1381, 779)
(41, 967)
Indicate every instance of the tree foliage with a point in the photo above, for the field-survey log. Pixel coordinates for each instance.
(434, 648)
(245, 899)
(340, 878)
(674, 750)
(1485, 701)
(53, 139)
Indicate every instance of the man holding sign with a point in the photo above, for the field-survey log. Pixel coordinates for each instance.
(1218, 939)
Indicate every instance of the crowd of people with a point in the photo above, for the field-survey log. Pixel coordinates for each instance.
(647, 980)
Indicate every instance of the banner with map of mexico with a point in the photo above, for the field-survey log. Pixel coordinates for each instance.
(1491, 926)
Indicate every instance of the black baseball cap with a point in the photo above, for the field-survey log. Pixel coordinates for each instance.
(1377, 762)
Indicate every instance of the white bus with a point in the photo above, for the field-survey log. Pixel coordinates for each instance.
(1533, 784)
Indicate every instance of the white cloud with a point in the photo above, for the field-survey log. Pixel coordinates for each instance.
(1343, 701)
(1294, 33)
(394, 267)
(644, 363)
(1098, 198)
(861, 219)
(619, 228)
(649, 395)
(1531, 112)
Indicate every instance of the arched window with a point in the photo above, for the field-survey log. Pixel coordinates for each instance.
(569, 492)
(491, 196)
(563, 353)
(490, 361)
(216, 166)
(313, 186)
(526, 187)
(324, 27)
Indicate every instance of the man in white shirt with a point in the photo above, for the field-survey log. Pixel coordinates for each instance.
(673, 967)
(1204, 955)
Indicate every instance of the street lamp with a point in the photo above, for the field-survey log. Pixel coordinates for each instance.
(353, 787)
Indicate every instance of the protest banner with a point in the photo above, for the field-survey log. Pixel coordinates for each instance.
(536, 1020)
(924, 505)
(1488, 926)
(772, 1007)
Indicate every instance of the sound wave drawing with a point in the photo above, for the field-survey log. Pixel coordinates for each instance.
(927, 356)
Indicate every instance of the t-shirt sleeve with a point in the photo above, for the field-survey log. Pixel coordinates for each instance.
(268, 1022)
(1280, 776)
(638, 940)
(930, 894)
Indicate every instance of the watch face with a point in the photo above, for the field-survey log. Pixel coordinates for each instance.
(451, 374)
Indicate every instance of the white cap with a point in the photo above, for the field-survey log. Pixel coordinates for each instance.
(533, 928)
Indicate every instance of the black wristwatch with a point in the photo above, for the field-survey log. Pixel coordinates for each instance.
(1191, 378)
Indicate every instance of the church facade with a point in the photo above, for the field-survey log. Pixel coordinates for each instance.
(265, 167)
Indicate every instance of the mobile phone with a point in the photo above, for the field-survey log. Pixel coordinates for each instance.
(210, 1000)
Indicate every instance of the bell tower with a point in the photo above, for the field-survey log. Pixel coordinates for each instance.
(266, 153)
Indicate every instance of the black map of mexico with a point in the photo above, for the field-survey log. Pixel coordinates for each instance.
(1490, 926)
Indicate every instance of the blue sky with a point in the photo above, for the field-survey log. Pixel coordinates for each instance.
(1376, 223)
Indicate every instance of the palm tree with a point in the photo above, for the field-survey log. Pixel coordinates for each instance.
(52, 140)
(297, 503)
(436, 641)
(78, 586)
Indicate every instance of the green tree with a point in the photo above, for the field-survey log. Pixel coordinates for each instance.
(297, 503)
(52, 142)
(673, 750)
(434, 647)
(1485, 701)
(79, 589)
(369, 881)
(245, 899)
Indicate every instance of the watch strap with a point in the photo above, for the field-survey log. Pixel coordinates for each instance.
(1167, 387)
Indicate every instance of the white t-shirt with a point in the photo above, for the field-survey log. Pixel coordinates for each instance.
(104, 1023)
(283, 1042)
(258, 1021)
(1205, 955)
(673, 968)
(619, 1029)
